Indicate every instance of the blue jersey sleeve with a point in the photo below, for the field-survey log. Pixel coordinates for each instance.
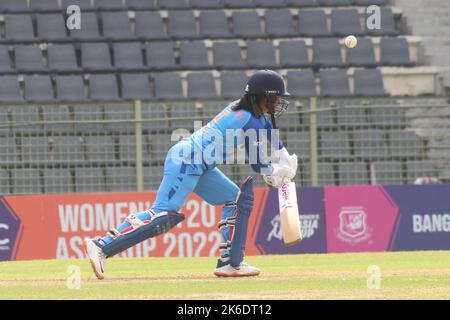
(261, 135)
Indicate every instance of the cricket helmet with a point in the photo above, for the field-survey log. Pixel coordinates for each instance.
(270, 84)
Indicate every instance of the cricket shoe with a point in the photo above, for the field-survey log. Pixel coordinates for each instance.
(243, 270)
(96, 257)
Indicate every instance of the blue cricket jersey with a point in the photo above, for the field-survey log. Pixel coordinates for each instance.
(233, 132)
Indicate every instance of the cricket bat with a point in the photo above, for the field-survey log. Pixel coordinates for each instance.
(289, 215)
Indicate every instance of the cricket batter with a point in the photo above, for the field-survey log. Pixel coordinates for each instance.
(191, 166)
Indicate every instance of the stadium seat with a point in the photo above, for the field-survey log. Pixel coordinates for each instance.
(233, 84)
(334, 83)
(388, 172)
(51, 27)
(4, 119)
(185, 112)
(89, 31)
(293, 53)
(149, 26)
(116, 25)
(368, 2)
(334, 145)
(99, 149)
(168, 86)
(19, 27)
(83, 113)
(352, 118)
(26, 114)
(123, 112)
(279, 22)
(13, 6)
(160, 55)
(26, 181)
(10, 89)
(395, 52)
(95, 57)
(62, 58)
(329, 3)
(70, 88)
(44, 5)
(420, 168)
(404, 144)
(299, 143)
(89, 180)
(313, 23)
(201, 86)
(58, 180)
(369, 144)
(363, 55)
(5, 63)
(387, 24)
(135, 86)
(109, 5)
(152, 177)
(213, 24)
(261, 54)
(369, 83)
(173, 4)
(301, 3)
(9, 151)
(236, 3)
(269, 3)
(194, 55)
(158, 146)
(127, 148)
(205, 4)
(155, 117)
(138, 5)
(325, 173)
(182, 24)
(387, 117)
(38, 88)
(246, 24)
(327, 53)
(35, 150)
(85, 5)
(345, 22)
(301, 83)
(4, 182)
(353, 173)
(103, 87)
(120, 179)
(57, 113)
(67, 149)
(128, 56)
(227, 55)
(28, 58)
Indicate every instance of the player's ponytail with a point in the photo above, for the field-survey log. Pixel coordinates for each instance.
(250, 103)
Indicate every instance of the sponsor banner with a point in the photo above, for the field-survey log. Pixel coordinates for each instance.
(269, 238)
(333, 219)
(424, 222)
(359, 218)
(54, 226)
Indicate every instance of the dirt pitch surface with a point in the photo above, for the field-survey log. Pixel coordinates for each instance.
(402, 275)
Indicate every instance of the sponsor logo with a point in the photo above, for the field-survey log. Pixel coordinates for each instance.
(431, 223)
(309, 225)
(353, 227)
(4, 242)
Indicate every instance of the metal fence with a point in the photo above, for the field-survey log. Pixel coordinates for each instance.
(115, 147)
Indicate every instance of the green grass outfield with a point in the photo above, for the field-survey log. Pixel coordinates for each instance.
(404, 275)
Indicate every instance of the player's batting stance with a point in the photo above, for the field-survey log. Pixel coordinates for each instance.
(190, 166)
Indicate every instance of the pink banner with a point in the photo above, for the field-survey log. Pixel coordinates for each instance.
(359, 218)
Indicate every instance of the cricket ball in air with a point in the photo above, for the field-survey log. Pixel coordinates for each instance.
(351, 42)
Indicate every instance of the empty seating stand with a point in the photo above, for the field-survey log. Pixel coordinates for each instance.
(194, 55)
(327, 53)
(261, 54)
(44, 5)
(168, 86)
(345, 22)
(293, 53)
(246, 24)
(10, 89)
(233, 84)
(301, 83)
(128, 56)
(182, 24)
(149, 26)
(103, 87)
(19, 28)
(201, 86)
(395, 52)
(279, 23)
(369, 83)
(227, 55)
(213, 24)
(160, 56)
(363, 55)
(334, 83)
(62, 58)
(70, 88)
(313, 23)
